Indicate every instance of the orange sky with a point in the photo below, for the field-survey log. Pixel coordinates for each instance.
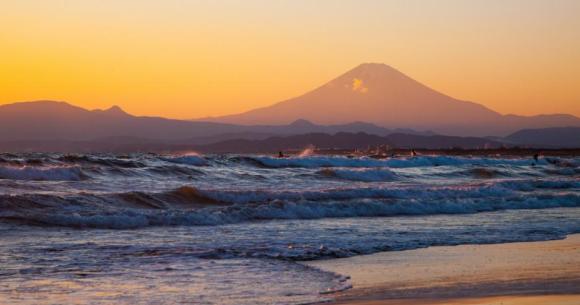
(189, 59)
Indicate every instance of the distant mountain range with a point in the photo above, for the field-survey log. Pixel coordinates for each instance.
(47, 120)
(547, 137)
(381, 95)
(58, 126)
(339, 141)
(371, 100)
(51, 120)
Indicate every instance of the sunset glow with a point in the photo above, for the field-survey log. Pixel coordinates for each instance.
(259, 152)
(192, 59)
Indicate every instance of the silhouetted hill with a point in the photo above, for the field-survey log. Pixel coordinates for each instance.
(47, 120)
(302, 126)
(381, 95)
(273, 144)
(441, 142)
(563, 137)
(27, 123)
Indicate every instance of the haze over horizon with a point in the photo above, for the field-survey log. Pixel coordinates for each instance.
(193, 59)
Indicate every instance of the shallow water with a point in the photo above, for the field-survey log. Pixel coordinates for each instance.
(150, 229)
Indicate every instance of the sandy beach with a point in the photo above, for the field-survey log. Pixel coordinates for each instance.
(514, 273)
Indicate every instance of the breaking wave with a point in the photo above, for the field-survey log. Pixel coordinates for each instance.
(187, 159)
(61, 173)
(189, 189)
(188, 206)
(135, 218)
(121, 162)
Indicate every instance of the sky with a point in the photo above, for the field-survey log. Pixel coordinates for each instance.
(193, 59)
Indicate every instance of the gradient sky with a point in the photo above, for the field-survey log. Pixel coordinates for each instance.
(189, 59)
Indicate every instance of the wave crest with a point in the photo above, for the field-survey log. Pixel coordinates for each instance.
(191, 206)
(56, 173)
(187, 159)
(364, 175)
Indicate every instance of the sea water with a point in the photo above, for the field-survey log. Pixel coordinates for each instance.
(232, 229)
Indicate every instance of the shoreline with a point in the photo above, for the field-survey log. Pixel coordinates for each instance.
(546, 299)
(543, 272)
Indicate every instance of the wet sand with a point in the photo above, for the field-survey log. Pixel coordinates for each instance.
(567, 299)
(514, 273)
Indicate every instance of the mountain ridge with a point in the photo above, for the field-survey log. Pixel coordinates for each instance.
(46, 120)
(59, 126)
(567, 137)
(384, 96)
(371, 98)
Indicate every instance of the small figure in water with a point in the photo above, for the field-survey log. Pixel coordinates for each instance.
(281, 154)
(413, 153)
(536, 159)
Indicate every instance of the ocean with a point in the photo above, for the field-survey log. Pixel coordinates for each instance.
(233, 229)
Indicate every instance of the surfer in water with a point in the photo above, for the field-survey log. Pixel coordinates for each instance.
(413, 153)
(536, 159)
(281, 155)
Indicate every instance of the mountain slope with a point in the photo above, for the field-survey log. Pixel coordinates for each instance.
(381, 95)
(373, 93)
